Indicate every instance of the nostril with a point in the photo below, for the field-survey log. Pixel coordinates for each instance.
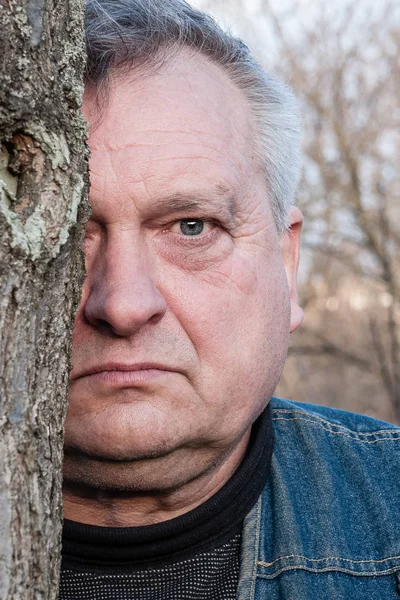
(106, 328)
(156, 318)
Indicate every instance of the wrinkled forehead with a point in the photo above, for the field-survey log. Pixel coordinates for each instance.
(189, 101)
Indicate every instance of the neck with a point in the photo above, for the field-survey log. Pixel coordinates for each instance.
(111, 508)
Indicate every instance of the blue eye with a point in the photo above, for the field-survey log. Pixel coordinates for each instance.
(191, 226)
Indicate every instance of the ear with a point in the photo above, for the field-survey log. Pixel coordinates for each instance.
(290, 248)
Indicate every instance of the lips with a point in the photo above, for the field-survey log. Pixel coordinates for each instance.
(122, 370)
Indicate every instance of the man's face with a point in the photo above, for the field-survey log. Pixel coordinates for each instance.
(183, 326)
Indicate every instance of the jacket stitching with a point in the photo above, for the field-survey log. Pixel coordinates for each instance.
(326, 569)
(395, 430)
(265, 564)
(256, 549)
(356, 439)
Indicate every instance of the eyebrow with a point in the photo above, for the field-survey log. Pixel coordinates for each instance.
(219, 202)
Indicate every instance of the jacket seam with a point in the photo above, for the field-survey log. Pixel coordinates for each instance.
(256, 549)
(356, 439)
(270, 564)
(304, 416)
(329, 569)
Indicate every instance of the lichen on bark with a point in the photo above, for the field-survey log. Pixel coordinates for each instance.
(43, 209)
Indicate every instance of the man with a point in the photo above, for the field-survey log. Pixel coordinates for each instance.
(183, 478)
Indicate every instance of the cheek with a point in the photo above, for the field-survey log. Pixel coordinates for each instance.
(237, 310)
(237, 318)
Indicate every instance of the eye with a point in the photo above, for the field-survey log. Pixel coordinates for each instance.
(191, 227)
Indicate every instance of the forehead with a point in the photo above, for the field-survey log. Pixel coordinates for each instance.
(188, 120)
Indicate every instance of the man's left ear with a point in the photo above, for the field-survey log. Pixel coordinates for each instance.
(290, 248)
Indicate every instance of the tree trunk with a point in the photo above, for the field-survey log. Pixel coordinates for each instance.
(43, 178)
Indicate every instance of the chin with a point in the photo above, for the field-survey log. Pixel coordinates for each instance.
(121, 446)
(159, 472)
(123, 433)
(119, 451)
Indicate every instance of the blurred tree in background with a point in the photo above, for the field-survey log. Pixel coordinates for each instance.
(343, 61)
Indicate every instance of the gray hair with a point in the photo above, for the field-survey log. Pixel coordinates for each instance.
(136, 34)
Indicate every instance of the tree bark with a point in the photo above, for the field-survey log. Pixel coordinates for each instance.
(43, 207)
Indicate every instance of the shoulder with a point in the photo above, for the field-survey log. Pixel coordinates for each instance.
(331, 447)
(332, 422)
(332, 498)
(331, 503)
(339, 442)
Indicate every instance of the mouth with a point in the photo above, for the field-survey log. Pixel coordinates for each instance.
(124, 373)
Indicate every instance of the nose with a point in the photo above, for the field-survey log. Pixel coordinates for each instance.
(122, 295)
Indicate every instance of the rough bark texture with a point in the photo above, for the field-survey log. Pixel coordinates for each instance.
(43, 165)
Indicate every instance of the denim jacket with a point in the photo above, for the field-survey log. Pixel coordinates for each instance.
(327, 525)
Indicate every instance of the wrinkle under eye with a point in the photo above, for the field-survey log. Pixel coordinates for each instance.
(191, 227)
